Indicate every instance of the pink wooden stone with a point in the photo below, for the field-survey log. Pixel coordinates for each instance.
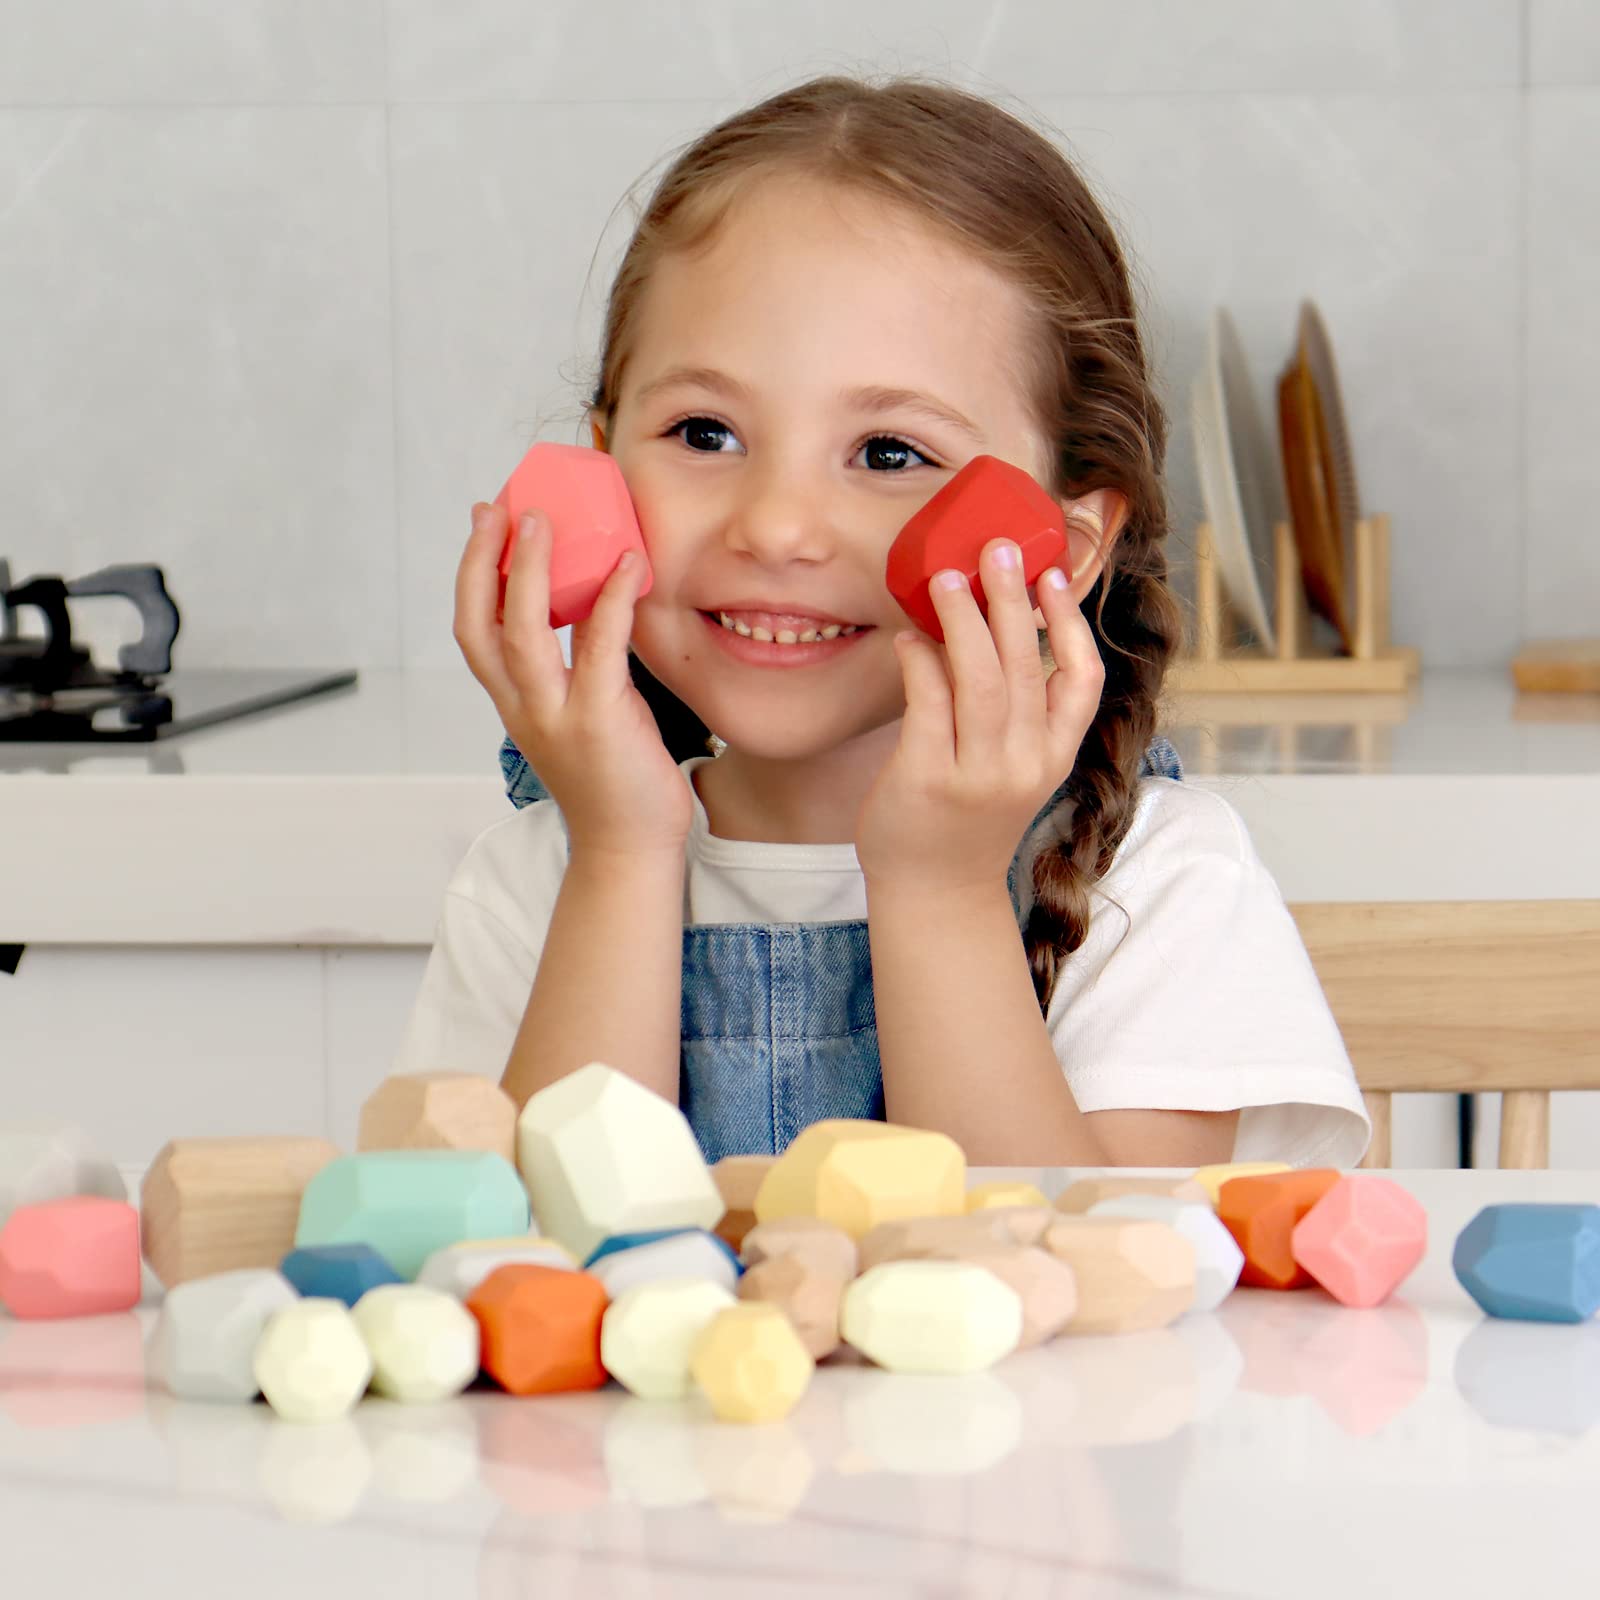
(1361, 1239)
(76, 1257)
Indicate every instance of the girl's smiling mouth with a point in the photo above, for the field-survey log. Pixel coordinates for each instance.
(784, 646)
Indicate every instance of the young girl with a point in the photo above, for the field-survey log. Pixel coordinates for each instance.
(956, 885)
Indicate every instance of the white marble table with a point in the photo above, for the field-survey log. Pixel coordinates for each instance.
(1281, 1446)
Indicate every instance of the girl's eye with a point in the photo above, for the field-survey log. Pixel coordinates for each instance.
(701, 433)
(884, 452)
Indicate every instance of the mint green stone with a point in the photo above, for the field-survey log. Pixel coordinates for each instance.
(408, 1203)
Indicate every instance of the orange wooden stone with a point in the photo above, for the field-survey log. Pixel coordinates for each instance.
(1261, 1213)
(541, 1328)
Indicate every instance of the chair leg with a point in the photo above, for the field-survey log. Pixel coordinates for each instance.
(1378, 1109)
(1525, 1128)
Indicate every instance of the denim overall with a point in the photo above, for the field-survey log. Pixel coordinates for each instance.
(778, 1028)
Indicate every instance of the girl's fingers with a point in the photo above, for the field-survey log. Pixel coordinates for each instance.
(600, 641)
(532, 652)
(477, 596)
(1072, 694)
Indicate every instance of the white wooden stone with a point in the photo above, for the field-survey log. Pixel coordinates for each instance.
(680, 1255)
(203, 1344)
(311, 1362)
(424, 1343)
(648, 1333)
(931, 1316)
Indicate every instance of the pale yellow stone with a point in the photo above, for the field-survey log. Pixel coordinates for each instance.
(311, 1362)
(856, 1173)
(1002, 1192)
(1044, 1283)
(647, 1333)
(750, 1364)
(1212, 1178)
(931, 1316)
(424, 1342)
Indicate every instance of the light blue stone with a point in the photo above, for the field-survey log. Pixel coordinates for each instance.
(1535, 1261)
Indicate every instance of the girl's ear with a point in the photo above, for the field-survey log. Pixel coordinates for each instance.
(1093, 523)
(597, 433)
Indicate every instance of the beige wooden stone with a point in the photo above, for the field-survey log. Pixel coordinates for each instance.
(829, 1249)
(1044, 1283)
(923, 1236)
(807, 1296)
(217, 1204)
(750, 1364)
(1002, 1192)
(1130, 1274)
(931, 1316)
(1218, 1258)
(1077, 1197)
(737, 1179)
(439, 1111)
(856, 1173)
(1212, 1178)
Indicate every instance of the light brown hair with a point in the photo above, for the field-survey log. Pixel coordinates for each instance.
(1003, 190)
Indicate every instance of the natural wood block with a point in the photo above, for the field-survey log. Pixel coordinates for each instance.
(1079, 1197)
(215, 1204)
(1044, 1283)
(1212, 1178)
(647, 1334)
(601, 1154)
(829, 1249)
(1131, 1274)
(424, 1342)
(931, 1316)
(1218, 1260)
(439, 1111)
(76, 1257)
(737, 1179)
(458, 1269)
(807, 1296)
(1261, 1213)
(856, 1173)
(750, 1364)
(204, 1340)
(311, 1362)
(540, 1328)
(974, 1230)
(1361, 1239)
(1002, 1192)
(42, 1161)
(1557, 666)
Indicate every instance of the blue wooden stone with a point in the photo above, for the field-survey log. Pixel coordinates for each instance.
(631, 1241)
(337, 1271)
(1532, 1260)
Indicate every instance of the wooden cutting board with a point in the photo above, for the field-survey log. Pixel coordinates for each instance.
(1558, 666)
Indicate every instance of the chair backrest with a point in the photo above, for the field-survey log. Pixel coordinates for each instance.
(1466, 997)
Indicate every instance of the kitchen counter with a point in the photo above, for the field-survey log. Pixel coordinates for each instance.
(338, 820)
(1282, 1444)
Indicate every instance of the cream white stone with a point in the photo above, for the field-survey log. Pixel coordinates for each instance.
(648, 1332)
(931, 1316)
(423, 1341)
(311, 1361)
(458, 1269)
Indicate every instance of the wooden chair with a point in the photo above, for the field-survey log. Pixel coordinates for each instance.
(1464, 997)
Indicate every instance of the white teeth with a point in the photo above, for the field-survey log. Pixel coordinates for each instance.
(785, 635)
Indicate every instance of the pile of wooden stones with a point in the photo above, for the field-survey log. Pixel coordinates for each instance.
(586, 1238)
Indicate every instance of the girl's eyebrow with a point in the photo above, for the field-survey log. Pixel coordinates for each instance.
(869, 397)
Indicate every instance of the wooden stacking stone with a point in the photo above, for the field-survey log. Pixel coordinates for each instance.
(1131, 1274)
(647, 1334)
(737, 1179)
(1261, 1213)
(750, 1364)
(458, 1269)
(1004, 1192)
(1044, 1283)
(439, 1111)
(1212, 1178)
(931, 1316)
(41, 1160)
(807, 1296)
(74, 1257)
(203, 1344)
(829, 1249)
(424, 1343)
(1218, 1259)
(540, 1328)
(219, 1204)
(680, 1253)
(1078, 1198)
(311, 1362)
(975, 1230)
(1361, 1239)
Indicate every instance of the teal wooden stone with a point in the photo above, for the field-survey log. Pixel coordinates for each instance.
(408, 1203)
(1535, 1261)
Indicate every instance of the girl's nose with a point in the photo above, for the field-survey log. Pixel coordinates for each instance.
(780, 513)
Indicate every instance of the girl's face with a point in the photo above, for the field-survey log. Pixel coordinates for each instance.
(792, 395)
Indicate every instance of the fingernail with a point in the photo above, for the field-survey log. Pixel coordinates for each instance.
(1007, 556)
(950, 580)
(1055, 578)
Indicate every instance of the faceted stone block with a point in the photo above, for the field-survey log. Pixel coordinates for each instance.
(737, 1179)
(647, 1334)
(311, 1363)
(856, 1173)
(750, 1364)
(1532, 1260)
(203, 1344)
(458, 1269)
(601, 1154)
(424, 1342)
(540, 1328)
(1081, 1197)
(682, 1253)
(439, 1111)
(408, 1203)
(41, 1160)
(1131, 1274)
(1218, 1259)
(1043, 1282)
(77, 1257)
(1002, 1192)
(974, 1230)
(829, 1249)
(217, 1204)
(1362, 1239)
(931, 1316)
(1212, 1178)
(336, 1271)
(807, 1296)
(1261, 1213)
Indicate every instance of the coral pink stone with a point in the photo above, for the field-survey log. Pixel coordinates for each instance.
(1361, 1239)
(76, 1257)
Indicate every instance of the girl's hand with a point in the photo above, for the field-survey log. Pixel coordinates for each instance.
(985, 740)
(586, 731)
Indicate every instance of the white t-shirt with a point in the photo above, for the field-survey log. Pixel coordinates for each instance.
(1192, 991)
